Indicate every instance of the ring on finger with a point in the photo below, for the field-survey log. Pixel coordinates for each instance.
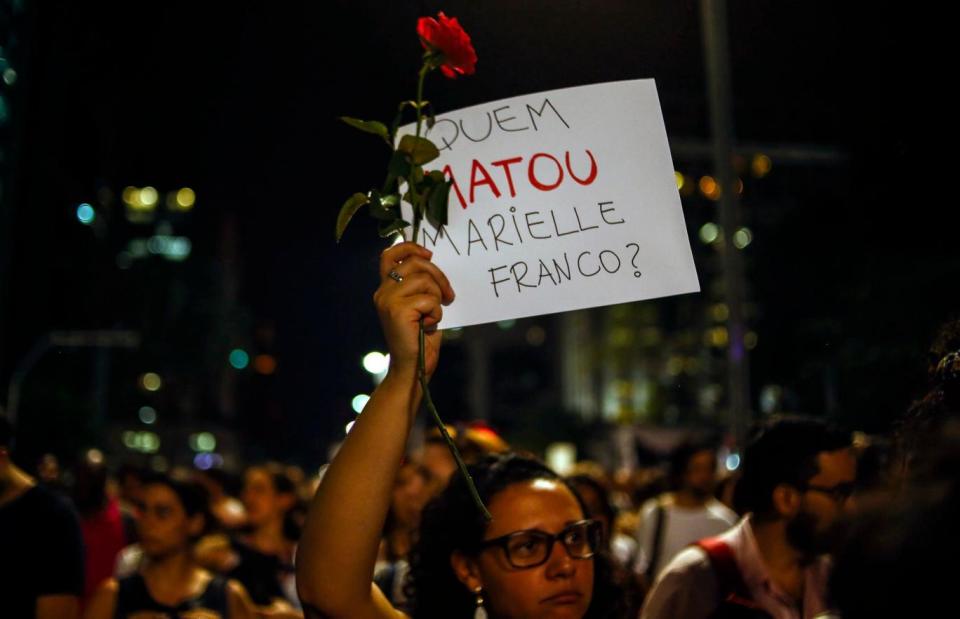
(395, 276)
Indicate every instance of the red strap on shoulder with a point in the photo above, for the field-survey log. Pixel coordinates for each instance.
(729, 580)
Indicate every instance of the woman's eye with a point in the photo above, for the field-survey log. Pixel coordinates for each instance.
(524, 547)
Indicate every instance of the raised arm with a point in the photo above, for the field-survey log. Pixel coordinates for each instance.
(338, 548)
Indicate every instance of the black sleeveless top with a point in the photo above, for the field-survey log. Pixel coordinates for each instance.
(134, 597)
(259, 573)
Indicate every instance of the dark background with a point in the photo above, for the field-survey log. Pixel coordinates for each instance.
(853, 266)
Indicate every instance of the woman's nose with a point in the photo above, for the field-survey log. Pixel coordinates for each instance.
(560, 563)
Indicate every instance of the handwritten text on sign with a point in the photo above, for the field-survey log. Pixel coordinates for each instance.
(560, 200)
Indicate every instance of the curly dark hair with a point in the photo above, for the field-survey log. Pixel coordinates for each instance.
(946, 341)
(451, 522)
(926, 418)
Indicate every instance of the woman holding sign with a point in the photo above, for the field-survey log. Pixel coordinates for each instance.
(536, 558)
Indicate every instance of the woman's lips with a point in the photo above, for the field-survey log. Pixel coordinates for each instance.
(563, 597)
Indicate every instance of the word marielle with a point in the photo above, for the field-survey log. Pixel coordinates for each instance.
(500, 231)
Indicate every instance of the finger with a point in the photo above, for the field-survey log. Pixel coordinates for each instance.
(427, 306)
(392, 256)
(419, 264)
(392, 293)
(419, 283)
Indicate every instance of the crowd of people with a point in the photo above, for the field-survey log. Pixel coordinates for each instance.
(143, 544)
(812, 524)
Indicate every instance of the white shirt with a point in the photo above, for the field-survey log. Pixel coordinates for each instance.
(687, 588)
(681, 527)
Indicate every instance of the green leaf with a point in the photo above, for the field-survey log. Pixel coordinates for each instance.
(390, 200)
(349, 208)
(390, 228)
(436, 177)
(416, 175)
(378, 210)
(398, 167)
(420, 150)
(437, 204)
(368, 126)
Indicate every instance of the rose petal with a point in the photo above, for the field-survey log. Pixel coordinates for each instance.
(449, 38)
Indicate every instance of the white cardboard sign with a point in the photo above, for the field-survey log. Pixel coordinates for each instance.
(561, 200)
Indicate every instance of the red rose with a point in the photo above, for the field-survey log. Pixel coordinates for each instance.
(447, 37)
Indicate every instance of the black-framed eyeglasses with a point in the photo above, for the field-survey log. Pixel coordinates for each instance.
(532, 547)
(839, 493)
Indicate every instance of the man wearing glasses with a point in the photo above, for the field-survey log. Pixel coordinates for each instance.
(797, 476)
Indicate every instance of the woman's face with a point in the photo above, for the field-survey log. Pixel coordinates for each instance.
(410, 494)
(164, 525)
(560, 587)
(260, 498)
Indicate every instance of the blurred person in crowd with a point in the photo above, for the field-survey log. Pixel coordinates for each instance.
(595, 495)
(41, 547)
(539, 555)
(436, 460)
(475, 440)
(726, 486)
(169, 582)
(797, 474)
(622, 488)
(130, 478)
(304, 490)
(261, 555)
(899, 560)
(410, 494)
(945, 342)
(594, 492)
(129, 484)
(49, 473)
(227, 510)
(647, 483)
(673, 520)
(941, 404)
(900, 556)
(101, 522)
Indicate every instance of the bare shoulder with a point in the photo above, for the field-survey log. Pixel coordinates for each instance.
(103, 602)
(110, 585)
(239, 602)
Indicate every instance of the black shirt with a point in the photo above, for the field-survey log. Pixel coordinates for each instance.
(259, 573)
(41, 551)
(134, 597)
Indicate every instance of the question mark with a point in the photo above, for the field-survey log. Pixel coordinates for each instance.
(633, 261)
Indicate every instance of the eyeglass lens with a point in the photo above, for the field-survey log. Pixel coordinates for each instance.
(532, 547)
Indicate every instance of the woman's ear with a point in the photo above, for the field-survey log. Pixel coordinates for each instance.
(466, 569)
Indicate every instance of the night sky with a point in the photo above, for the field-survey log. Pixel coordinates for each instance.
(853, 267)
